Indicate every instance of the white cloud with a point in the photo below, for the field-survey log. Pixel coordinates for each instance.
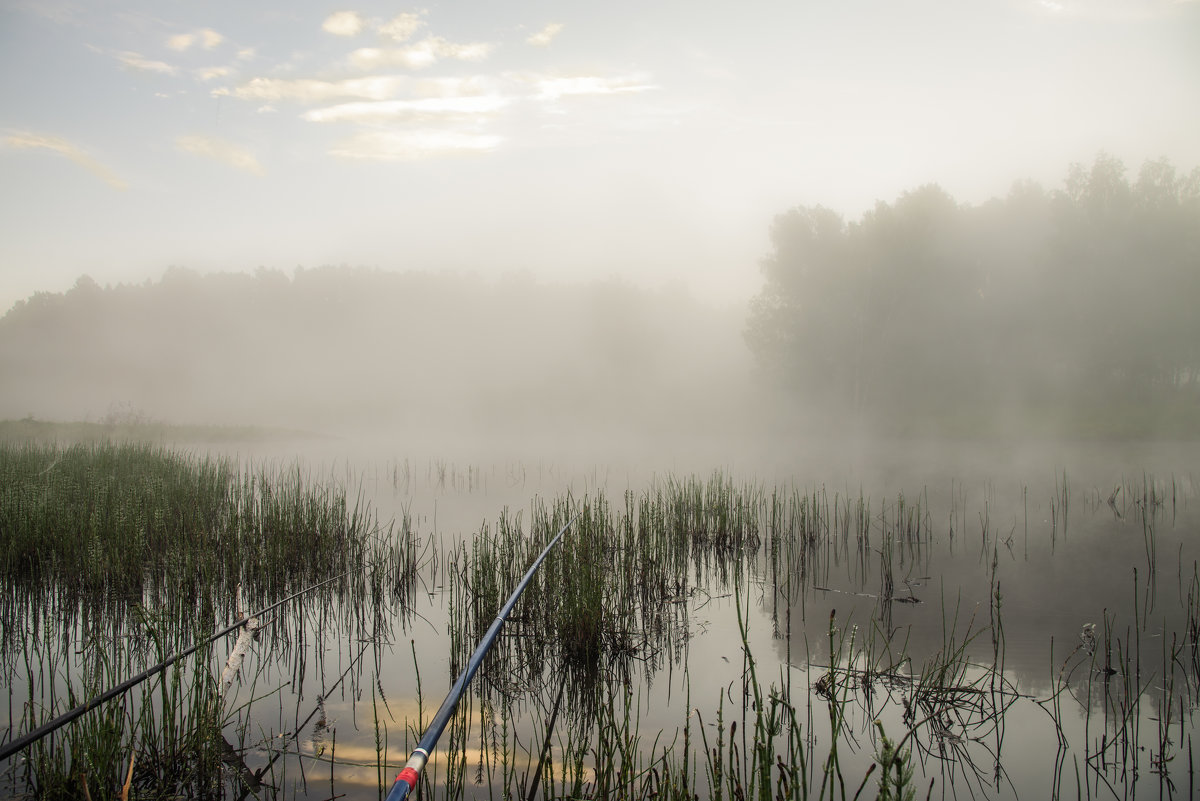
(25, 140)
(181, 41)
(139, 62)
(552, 88)
(422, 108)
(343, 23)
(210, 38)
(376, 87)
(402, 28)
(453, 86)
(545, 35)
(208, 73)
(414, 145)
(221, 150)
(207, 37)
(422, 54)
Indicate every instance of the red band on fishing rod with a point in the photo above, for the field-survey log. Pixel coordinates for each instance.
(409, 777)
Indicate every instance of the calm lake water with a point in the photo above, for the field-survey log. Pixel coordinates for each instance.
(1063, 579)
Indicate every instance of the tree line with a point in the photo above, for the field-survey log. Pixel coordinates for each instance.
(1076, 301)
(336, 345)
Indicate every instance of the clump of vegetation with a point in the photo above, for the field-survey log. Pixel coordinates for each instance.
(116, 557)
(137, 523)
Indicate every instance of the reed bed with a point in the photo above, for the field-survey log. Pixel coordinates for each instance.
(560, 708)
(115, 556)
(113, 524)
(616, 598)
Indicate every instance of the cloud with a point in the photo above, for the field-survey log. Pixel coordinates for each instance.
(545, 35)
(210, 38)
(420, 109)
(207, 37)
(221, 150)
(181, 41)
(25, 140)
(139, 62)
(554, 87)
(414, 145)
(423, 54)
(376, 87)
(208, 73)
(343, 23)
(402, 28)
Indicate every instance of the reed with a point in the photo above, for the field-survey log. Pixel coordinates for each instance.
(116, 555)
(561, 706)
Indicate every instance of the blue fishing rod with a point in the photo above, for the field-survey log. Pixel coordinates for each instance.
(407, 779)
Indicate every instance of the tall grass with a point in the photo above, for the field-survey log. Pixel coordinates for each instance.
(615, 599)
(112, 524)
(116, 556)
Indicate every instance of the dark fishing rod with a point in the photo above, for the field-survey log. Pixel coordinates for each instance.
(41, 731)
(407, 779)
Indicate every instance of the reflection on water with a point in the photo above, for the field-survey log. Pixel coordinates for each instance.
(1020, 634)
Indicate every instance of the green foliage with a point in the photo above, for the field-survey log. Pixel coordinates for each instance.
(115, 525)
(1062, 306)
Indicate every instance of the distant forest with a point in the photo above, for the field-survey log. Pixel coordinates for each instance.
(332, 347)
(1077, 308)
(1068, 312)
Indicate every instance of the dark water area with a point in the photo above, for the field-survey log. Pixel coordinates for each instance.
(1027, 614)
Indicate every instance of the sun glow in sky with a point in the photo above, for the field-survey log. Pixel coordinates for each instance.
(649, 141)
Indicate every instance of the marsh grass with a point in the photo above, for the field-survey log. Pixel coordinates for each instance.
(562, 705)
(162, 739)
(605, 607)
(109, 525)
(116, 556)
(616, 596)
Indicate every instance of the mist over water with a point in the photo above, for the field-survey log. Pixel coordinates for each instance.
(1051, 315)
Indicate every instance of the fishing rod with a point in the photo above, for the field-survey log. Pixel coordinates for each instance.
(41, 731)
(406, 780)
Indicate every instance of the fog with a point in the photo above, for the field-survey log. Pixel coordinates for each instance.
(681, 234)
(1051, 314)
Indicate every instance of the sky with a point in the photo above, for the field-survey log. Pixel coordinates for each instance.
(650, 142)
